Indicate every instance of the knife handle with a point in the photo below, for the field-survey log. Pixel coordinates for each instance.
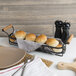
(65, 66)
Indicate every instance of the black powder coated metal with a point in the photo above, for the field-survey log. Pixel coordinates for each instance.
(44, 48)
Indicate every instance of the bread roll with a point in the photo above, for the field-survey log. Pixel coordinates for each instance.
(41, 38)
(31, 37)
(58, 50)
(20, 34)
(52, 42)
(12, 40)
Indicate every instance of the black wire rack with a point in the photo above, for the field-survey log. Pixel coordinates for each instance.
(49, 49)
(44, 48)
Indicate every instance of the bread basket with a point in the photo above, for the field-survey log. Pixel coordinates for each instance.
(43, 48)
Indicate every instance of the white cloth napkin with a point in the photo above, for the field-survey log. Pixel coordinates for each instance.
(38, 68)
(28, 46)
(10, 71)
(34, 68)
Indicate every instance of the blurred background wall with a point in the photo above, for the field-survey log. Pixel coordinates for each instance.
(37, 16)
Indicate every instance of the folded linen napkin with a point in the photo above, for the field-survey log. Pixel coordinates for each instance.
(9, 71)
(28, 46)
(34, 68)
(38, 68)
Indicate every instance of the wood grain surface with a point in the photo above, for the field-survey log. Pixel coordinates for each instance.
(33, 14)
